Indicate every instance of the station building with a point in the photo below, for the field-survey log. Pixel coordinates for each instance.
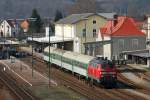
(75, 30)
(81, 28)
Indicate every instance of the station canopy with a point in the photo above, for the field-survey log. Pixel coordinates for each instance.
(141, 53)
(9, 42)
(53, 39)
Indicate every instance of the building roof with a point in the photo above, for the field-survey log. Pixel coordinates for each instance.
(139, 53)
(24, 24)
(9, 42)
(53, 39)
(125, 26)
(74, 18)
(12, 23)
(139, 24)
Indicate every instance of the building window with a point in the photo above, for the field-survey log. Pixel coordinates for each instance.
(135, 43)
(121, 44)
(8, 29)
(84, 32)
(94, 32)
(94, 21)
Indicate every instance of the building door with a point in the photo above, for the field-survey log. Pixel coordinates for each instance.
(98, 50)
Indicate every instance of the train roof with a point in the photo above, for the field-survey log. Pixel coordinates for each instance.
(71, 55)
(100, 60)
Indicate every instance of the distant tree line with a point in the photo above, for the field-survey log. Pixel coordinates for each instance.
(36, 23)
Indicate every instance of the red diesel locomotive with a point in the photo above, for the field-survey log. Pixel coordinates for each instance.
(102, 71)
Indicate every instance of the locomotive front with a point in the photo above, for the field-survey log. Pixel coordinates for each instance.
(103, 71)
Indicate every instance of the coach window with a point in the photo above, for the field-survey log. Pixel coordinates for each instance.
(53, 56)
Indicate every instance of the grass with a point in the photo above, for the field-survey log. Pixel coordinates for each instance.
(147, 69)
(55, 93)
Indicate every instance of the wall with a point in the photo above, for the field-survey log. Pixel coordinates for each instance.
(88, 24)
(116, 50)
(107, 51)
(64, 30)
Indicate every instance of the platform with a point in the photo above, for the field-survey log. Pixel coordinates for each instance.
(24, 72)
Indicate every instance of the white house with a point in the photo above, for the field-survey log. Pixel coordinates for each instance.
(148, 26)
(8, 28)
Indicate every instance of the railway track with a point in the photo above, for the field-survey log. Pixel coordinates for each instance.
(80, 87)
(69, 82)
(115, 94)
(139, 73)
(18, 91)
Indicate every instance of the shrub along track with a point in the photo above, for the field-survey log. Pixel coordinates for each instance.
(92, 93)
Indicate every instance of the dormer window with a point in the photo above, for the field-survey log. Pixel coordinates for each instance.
(94, 21)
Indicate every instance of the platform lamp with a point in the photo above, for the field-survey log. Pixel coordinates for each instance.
(32, 20)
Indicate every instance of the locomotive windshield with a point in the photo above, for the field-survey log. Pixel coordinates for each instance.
(107, 64)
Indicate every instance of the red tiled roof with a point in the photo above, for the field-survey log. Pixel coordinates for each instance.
(139, 24)
(24, 24)
(125, 27)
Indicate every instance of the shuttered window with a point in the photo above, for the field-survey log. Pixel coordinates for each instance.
(121, 44)
(135, 43)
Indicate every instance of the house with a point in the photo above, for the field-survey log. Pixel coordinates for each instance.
(146, 29)
(8, 28)
(25, 25)
(118, 35)
(147, 24)
(81, 28)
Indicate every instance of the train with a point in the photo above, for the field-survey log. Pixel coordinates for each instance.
(95, 69)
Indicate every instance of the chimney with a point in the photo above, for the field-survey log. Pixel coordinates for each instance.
(115, 22)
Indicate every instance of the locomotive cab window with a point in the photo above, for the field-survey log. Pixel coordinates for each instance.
(103, 66)
(111, 65)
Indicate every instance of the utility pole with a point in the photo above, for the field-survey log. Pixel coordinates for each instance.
(32, 19)
(49, 64)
